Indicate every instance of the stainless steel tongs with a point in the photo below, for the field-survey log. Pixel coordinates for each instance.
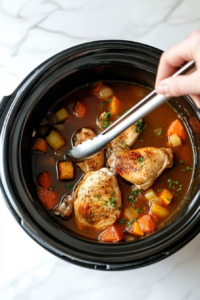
(89, 148)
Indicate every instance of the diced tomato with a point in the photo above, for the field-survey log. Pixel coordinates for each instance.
(80, 109)
(48, 198)
(112, 234)
(177, 128)
(44, 180)
(146, 223)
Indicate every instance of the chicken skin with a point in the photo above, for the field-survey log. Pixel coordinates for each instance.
(98, 200)
(141, 166)
(97, 161)
(125, 140)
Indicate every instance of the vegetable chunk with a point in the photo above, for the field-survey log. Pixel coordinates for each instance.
(62, 114)
(55, 140)
(135, 229)
(44, 180)
(166, 196)
(130, 214)
(115, 105)
(159, 211)
(112, 234)
(175, 140)
(65, 170)
(80, 110)
(146, 223)
(150, 194)
(48, 198)
(177, 128)
(40, 145)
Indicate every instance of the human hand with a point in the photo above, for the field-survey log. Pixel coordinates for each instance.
(187, 50)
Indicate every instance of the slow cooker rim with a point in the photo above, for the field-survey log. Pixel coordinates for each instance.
(121, 42)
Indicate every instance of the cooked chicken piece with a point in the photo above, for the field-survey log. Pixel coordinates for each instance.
(65, 209)
(98, 200)
(104, 120)
(97, 161)
(142, 166)
(125, 140)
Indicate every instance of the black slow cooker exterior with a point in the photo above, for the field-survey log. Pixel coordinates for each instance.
(24, 109)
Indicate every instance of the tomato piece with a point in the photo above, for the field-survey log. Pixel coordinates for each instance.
(112, 234)
(44, 180)
(146, 223)
(80, 109)
(48, 198)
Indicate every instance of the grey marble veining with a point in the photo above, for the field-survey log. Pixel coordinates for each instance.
(30, 32)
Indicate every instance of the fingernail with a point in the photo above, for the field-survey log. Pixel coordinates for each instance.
(162, 89)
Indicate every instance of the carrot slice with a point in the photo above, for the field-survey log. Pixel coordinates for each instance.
(177, 128)
(40, 145)
(48, 198)
(146, 223)
(112, 234)
(80, 109)
(44, 180)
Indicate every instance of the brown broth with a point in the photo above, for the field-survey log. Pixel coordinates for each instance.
(128, 94)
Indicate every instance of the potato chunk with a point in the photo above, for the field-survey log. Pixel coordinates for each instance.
(55, 140)
(159, 211)
(65, 170)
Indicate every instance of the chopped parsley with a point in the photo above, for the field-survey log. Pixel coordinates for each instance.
(135, 192)
(91, 200)
(106, 203)
(139, 210)
(121, 221)
(139, 127)
(141, 139)
(69, 186)
(188, 168)
(112, 194)
(160, 132)
(106, 102)
(181, 162)
(132, 200)
(129, 223)
(91, 215)
(53, 188)
(119, 208)
(141, 159)
(174, 194)
(159, 190)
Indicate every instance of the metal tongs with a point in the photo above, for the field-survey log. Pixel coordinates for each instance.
(89, 148)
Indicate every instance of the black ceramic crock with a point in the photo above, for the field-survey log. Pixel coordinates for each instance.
(24, 109)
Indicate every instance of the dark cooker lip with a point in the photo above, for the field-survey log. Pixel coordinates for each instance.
(80, 251)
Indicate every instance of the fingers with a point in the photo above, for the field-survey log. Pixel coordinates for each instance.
(174, 57)
(196, 99)
(180, 85)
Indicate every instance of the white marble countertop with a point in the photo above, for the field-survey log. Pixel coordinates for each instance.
(30, 32)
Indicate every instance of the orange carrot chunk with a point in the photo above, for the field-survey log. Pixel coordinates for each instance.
(112, 234)
(40, 145)
(44, 180)
(114, 105)
(177, 128)
(48, 198)
(135, 229)
(80, 109)
(146, 223)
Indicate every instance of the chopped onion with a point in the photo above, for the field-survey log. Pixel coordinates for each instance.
(175, 140)
(157, 130)
(105, 92)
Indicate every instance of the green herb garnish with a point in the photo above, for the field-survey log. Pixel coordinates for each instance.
(121, 221)
(139, 210)
(160, 132)
(69, 186)
(139, 127)
(106, 102)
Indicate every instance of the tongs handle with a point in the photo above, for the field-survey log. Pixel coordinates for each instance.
(142, 108)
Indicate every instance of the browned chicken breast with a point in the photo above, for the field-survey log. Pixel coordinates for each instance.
(125, 140)
(98, 200)
(141, 166)
(97, 161)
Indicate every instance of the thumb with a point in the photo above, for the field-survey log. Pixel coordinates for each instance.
(180, 85)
